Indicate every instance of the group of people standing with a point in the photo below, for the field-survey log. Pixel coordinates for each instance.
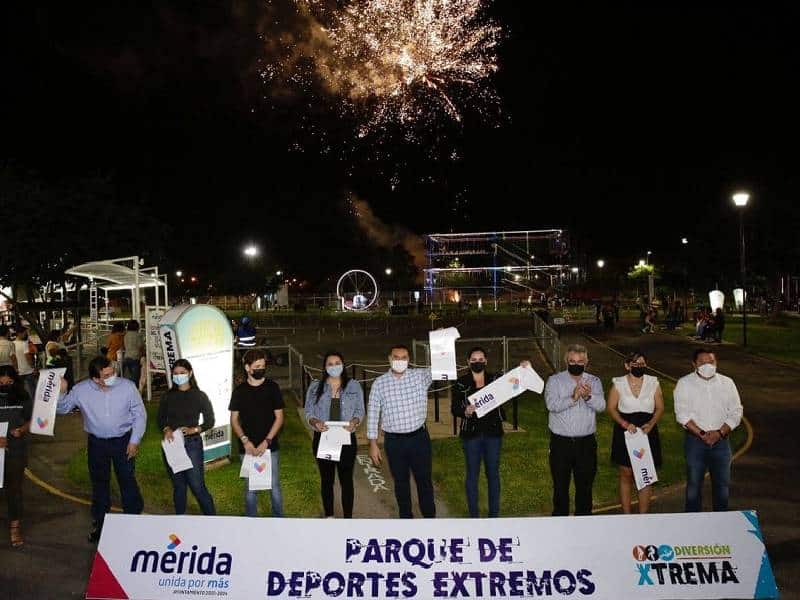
(707, 406)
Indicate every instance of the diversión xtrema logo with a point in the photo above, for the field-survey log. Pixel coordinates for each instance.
(663, 564)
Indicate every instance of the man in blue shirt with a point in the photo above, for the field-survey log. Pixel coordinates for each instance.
(573, 398)
(115, 419)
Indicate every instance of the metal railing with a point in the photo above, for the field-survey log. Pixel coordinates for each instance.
(548, 340)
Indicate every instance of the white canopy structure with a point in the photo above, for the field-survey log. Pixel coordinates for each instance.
(116, 275)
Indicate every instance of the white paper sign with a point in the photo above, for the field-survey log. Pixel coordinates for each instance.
(175, 452)
(260, 472)
(443, 353)
(3, 433)
(48, 390)
(644, 469)
(331, 441)
(608, 557)
(247, 461)
(505, 388)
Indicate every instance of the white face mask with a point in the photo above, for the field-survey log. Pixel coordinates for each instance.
(109, 381)
(399, 366)
(707, 370)
(334, 370)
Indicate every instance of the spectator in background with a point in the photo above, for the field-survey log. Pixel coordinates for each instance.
(26, 360)
(719, 325)
(133, 345)
(8, 354)
(58, 358)
(69, 334)
(246, 333)
(116, 343)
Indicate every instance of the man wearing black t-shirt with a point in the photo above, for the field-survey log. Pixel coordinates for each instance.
(256, 418)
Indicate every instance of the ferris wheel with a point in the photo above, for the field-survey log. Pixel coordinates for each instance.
(357, 290)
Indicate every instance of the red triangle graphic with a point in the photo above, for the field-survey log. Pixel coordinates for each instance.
(102, 583)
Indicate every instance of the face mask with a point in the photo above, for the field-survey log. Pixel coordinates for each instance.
(399, 366)
(707, 370)
(110, 381)
(5, 390)
(334, 370)
(180, 379)
(477, 367)
(638, 371)
(575, 369)
(258, 374)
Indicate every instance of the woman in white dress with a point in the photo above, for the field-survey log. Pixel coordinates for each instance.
(634, 402)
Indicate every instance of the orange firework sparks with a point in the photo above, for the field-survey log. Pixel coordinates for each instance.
(407, 60)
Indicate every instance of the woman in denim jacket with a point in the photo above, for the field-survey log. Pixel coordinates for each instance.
(335, 397)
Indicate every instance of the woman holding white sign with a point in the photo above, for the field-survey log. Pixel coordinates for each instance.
(16, 408)
(180, 409)
(481, 438)
(335, 397)
(634, 402)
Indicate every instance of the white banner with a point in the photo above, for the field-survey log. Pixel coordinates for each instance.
(694, 555)
(443, 353)
(505, 388)
(48, 389)
(644, 469)
(3, 433)
(155, 353)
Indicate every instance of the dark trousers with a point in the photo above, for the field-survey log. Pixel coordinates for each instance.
(12, 485)
(193, 478)
(572, 457)
(482, 448)
(102, 454)
(132, 369)
(327, 476)
(411, 453)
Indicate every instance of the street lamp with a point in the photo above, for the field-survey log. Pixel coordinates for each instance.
(641, 262)
(251, 251)
(179, 273)
(684, 241)
(278, 273)
(574, 269)
(601, 263)
(648, 256)
(388, 271)
(740, 199)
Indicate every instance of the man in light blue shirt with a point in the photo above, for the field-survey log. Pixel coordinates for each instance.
(573, 398)
(115, 419)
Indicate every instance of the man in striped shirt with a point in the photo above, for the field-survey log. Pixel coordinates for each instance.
(399, 400)
(573, 398)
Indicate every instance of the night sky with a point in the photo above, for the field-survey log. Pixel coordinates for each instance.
(629, 126)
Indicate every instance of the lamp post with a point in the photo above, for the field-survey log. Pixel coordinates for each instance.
(740, 199)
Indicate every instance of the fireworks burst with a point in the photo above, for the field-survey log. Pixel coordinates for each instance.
(404, 61)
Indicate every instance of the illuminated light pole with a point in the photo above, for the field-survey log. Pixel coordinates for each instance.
(740, 199)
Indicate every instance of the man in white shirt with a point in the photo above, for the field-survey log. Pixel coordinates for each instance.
(708, 407)
(26, 361)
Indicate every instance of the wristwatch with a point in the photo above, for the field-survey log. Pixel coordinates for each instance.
(244, 439)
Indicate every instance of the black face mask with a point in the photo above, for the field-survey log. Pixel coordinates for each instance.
(638, 371)
(6, 389)
(258, 374)
(575, 369)
(477, 367)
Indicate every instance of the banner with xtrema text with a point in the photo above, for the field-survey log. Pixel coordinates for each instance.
(699, 555)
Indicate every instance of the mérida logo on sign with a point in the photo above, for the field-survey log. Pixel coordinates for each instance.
(188, 562)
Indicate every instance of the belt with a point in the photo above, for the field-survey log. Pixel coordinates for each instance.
(409, 434)
(572, 439)
(111, 438)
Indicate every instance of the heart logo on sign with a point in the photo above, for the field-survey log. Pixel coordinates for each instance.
(42, 423)
(260, 467)
(639, 453)
(515, 382)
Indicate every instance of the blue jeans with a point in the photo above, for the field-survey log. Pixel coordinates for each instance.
(103, 452)
(717, 460)
(251, 498)
(486, 448)
(194, 478)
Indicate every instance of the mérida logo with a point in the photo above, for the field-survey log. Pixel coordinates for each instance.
(188, 562)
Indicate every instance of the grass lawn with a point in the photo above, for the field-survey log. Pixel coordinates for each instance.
(299, 476)
(524, 472)
(775, 338)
